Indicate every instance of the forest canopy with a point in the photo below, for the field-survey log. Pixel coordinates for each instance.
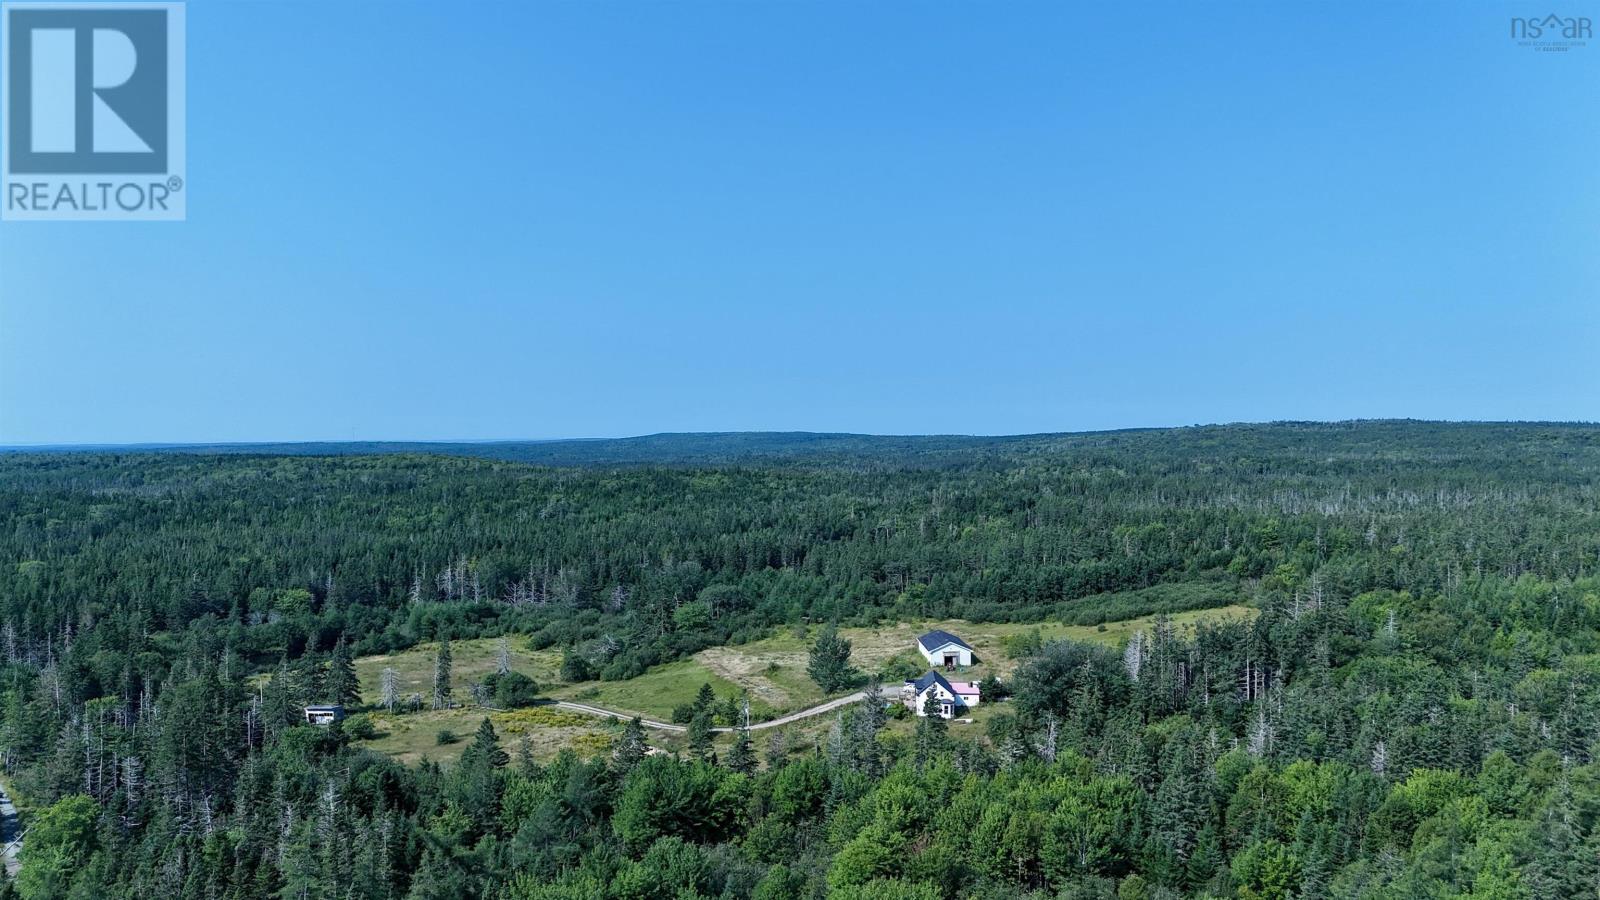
(1411, 712)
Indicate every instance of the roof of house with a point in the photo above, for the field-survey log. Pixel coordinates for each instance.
(965, 687)
(931, 679)
(933, 640)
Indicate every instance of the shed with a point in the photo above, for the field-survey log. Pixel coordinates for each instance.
(324, 715)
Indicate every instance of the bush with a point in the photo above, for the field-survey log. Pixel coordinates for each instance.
(359, 727)
(902, 667)
(992, 689)
(511, 690)
(1023, 645)
(445, 737)
(575, 667)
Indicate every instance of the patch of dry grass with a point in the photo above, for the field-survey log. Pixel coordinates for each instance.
(470, 660)
(413, 737)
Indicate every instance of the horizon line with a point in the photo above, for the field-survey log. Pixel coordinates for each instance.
(279, 442)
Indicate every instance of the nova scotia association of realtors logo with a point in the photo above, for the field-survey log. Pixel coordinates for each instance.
(92, 111)
(1552, 33)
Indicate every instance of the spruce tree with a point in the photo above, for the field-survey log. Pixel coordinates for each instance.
(441, 675)
(278, 706)
(631, 749)
(873, 710)
(932, 733)
(700, 735)
(742, 758)
(486, 747)
(342, 685)
(1557, 868)
(777, 748)
(829, 666)
(706, 699)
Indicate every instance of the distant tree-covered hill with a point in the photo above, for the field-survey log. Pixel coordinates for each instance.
(1391, 439)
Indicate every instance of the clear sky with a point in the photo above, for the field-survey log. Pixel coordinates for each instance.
(548, 219)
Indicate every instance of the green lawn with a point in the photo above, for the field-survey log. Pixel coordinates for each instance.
(653, 694)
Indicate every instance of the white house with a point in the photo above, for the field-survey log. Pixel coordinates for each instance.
(950, 698)
(941, 648)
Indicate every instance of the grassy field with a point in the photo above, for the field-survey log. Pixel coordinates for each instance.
(772, 670)
(469, 662)
(653, 694)
(413, 737)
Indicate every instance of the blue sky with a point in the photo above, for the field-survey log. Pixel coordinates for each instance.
(540, 219)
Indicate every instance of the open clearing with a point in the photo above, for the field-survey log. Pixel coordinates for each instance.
(470, 660)
(652, 695)
(773, 670)
(413, 737)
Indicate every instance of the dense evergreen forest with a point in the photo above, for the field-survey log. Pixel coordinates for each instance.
(1414, 713)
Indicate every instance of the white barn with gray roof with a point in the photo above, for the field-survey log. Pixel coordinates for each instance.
(944, 650)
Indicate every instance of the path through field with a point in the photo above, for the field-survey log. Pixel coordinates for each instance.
(817, 710)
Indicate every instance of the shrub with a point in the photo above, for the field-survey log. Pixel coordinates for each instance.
(575, 667)
(1023, 645)
(445, 737)
(902, 667)
(360, 727)
(511, 690)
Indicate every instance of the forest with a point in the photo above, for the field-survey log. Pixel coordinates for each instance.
(1414, 710)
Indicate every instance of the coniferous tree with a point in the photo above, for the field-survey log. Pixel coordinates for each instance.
(630, 750)
(441, 675)
(342, 684)
(486, 748)
(1558, 868)
(932, 733)
(742, 758)
(279, 708)
(777, 747)
(527, 766)
(700, 745)
(310, 679)
(829, 665)
(705, 699)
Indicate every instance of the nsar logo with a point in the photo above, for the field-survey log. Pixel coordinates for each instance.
(93, 116)
(1552, 33)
